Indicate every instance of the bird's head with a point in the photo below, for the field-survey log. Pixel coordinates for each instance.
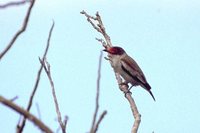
(115, 50)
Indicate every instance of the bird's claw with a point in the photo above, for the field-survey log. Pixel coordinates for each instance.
(130, 88)
(125, 93)
(126, 84)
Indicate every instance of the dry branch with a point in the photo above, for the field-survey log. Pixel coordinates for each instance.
(97, 94)
(13, 3)
(19, 32)
(107, 43)
(99, 121)
(95, 124)
(26, 114)
(99, 26)
(20, 127)
(47, 69)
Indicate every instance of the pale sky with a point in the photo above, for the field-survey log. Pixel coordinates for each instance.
(162, 36)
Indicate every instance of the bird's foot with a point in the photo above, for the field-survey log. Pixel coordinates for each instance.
(126, 84)
(130, 87)
(128, 92)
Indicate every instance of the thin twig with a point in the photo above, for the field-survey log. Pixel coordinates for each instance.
(97, 95)
(20, 31)
(14, 98)
(38, 111)
(95, 125)
(26, 114)
(13, 3)
(21, 127)
(64, 122)
(102, 42)
(100, 28)
(47, 69)
(99, 121)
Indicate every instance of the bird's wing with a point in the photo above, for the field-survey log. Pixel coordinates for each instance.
(133, 70)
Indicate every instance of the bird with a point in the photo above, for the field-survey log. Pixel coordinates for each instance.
(127, 67)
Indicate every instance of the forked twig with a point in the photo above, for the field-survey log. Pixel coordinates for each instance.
(99, 26)
(99, 121)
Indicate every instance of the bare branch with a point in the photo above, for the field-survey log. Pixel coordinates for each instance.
(131, 101)
(21, 127)
(47, 69)
(13, 3)
(90, 21)
(26, 114)
(123, 88)
(95, 125)
(99, 121)
(20, 31)
(88, 16)
(97, 95)
(102, 42)
(99, 26)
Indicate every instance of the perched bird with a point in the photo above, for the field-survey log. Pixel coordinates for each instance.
(124, 65)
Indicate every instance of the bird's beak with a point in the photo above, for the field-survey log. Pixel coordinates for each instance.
(105, 50)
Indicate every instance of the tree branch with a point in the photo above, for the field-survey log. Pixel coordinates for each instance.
(100, 28)
(132, 103)
(26, 114)
(99, 121)
(21, 127)
(95, 124)
(47, 69)
(20, 31)
(13, 3)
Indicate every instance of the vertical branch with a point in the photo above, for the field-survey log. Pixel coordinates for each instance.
(46, 66)
(38, 111)
(26, 114)
(19, 32)
(107, 43)
(21, 127)
(95, 125)
(97, 94)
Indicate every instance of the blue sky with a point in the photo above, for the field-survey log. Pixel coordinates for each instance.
(162, 36)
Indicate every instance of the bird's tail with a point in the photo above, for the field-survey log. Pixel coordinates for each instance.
(152, 95)
(148, 88)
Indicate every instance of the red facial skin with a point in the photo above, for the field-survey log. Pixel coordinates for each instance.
(115, 50)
